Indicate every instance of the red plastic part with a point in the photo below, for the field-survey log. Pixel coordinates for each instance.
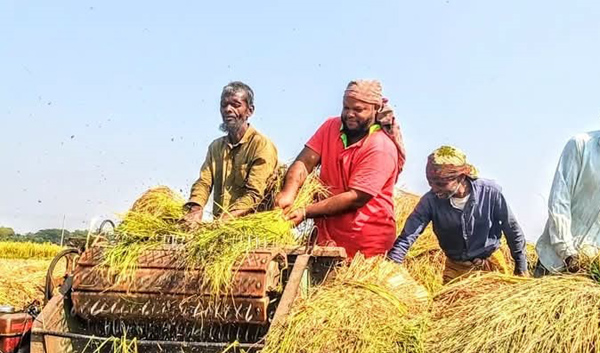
(12, 329)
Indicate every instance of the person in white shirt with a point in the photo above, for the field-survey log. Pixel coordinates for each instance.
(573, 225)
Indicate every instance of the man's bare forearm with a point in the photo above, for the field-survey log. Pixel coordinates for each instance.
(338, 204)
(295, 177)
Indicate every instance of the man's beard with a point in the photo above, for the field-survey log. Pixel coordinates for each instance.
(362, 129)
(232, 128)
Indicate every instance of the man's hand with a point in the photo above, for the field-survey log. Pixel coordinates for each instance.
(194, 216)
(573, 265)
(284, 200)
(521, 273)
(296, 216)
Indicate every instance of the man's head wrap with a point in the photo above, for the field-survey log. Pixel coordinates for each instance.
(386, 118)
(368, 91)
(447, 163)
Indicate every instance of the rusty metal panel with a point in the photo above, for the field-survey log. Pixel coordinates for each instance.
(291, 289)
(173, 281)
(170, 256)
(317, 251)
(55, 317)
(158, 272)
(110, 306)
(166, 257)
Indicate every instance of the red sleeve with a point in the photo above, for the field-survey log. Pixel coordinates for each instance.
(317, 141)
(377, 163)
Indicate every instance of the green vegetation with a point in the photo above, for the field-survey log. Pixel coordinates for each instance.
(41, 236)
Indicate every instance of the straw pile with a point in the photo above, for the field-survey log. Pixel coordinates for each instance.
(215, 246)
(372, 306)
(532, 257)
(589, 262)
(22, 282)
(425, 260)
(28, 250)
(469, 287)
(551, 314)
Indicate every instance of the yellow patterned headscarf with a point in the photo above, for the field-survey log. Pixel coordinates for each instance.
(447, 163)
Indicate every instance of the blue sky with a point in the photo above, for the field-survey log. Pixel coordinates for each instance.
(102, 99)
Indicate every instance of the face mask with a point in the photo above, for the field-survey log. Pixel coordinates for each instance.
(455, 190)
(450, 195)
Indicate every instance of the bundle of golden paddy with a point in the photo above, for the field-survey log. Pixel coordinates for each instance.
(495, 313)
(425, 260)
(372, 306)
(156, 217)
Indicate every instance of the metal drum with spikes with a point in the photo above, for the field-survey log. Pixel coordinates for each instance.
(164, 305)
(162, 288)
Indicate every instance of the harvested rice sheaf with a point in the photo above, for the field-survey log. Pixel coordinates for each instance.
(214, 246)
(469, 287)
(532, 257)
(425, 260)
(161, 202)
(371, 306)
(523, 315)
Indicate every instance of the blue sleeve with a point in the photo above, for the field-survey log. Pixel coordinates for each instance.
(513, 232)
(414, 226)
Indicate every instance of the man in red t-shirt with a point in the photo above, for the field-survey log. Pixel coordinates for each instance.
(360, 164)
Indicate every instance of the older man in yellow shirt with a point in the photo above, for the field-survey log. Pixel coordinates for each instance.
(238, 166)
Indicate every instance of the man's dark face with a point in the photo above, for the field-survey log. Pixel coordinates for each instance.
(357, 116)
(445, 189)
(234, 111)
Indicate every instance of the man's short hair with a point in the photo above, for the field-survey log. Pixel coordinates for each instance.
(238, 86)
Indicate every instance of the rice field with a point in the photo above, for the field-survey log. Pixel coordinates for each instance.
(22, 281)
(28, 250)
(24, 266)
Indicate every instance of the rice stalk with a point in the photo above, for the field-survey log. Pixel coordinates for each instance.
(371, 306)
(469, 287)
(161, 202)
(274, 186)
(214, 247)
(552, 314)
(424, 260)
(531, 254)
(121, 344)
(218, 246)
